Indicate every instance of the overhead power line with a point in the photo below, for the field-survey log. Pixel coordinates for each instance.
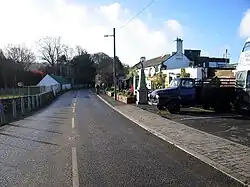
(142, 10)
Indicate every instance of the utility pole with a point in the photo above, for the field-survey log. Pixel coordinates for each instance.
(114, 63)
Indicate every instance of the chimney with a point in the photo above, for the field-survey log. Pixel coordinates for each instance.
(179, 45)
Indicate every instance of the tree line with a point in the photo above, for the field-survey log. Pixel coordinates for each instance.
(19, 64)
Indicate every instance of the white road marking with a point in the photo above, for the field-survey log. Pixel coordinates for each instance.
(73, 123)
(73, 110)
(75, 176)
(209, 117)
(191, 118)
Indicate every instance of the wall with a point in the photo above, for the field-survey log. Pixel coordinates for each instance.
(66, 86)
(177, 61)
(195, 73)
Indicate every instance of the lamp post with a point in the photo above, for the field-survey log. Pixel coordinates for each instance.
(114, 63)
(142, 90)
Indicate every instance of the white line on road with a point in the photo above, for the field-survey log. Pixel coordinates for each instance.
(75, 176)
(73, 123)
(209, 117)
(191, 118)
(73, 109)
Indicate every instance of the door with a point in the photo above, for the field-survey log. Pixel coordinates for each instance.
(187, 92)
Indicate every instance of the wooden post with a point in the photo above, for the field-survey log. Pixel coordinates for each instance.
(37, 101)
(33, 102)
(29, 104)
(14, 108)
(22, 105)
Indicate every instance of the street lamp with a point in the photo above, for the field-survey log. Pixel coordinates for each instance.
(114, 63)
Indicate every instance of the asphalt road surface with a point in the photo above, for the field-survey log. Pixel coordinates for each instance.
(79, 141)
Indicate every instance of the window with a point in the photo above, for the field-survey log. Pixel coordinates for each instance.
(187, 83)
(246, 47)
(241, 79)
(248, 79)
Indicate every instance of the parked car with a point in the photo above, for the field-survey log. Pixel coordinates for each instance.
(186, 92)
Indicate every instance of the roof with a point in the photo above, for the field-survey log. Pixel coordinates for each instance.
(60, 79)
(155, 61)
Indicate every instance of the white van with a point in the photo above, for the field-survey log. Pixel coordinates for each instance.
(242, 92)
(243, 67)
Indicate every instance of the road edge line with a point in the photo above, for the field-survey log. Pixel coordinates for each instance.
(194, 154)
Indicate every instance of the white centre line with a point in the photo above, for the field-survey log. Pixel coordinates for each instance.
(73, 110)
(73, 123)
(75, 176)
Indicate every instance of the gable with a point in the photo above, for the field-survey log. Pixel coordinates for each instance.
(177, 61)
(47, 81)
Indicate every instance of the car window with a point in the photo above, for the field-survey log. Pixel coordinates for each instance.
(187, 83)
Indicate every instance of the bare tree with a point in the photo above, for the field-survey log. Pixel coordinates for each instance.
(20, 54)
(68, 52)
(79, 50)
(51, 49)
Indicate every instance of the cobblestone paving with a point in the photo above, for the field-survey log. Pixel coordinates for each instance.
(231, 126)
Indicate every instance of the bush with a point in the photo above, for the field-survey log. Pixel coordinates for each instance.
(126, 93)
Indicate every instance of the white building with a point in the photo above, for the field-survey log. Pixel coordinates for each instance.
(165, 62)
(55, 83)
(177, 59)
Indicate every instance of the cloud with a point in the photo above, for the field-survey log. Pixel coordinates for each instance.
(245, 25)
(80, 24)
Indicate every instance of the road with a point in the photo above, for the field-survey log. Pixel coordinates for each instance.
(79, 141)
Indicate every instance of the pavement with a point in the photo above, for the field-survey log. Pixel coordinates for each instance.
(230, 126)
(80, 141)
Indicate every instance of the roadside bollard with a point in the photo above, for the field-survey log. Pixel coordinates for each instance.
(33, 102)
(22, 105)
(14, 108)
(29, 104)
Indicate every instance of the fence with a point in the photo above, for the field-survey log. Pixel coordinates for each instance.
(22, 91)
(15, 107)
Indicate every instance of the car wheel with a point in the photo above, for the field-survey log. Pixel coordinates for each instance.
(160, 107)
(174, 107)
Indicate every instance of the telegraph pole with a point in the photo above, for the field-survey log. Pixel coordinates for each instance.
(114, 64)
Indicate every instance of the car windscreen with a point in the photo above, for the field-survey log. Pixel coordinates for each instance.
(174, 83)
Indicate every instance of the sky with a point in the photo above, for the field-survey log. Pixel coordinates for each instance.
(211, 26)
